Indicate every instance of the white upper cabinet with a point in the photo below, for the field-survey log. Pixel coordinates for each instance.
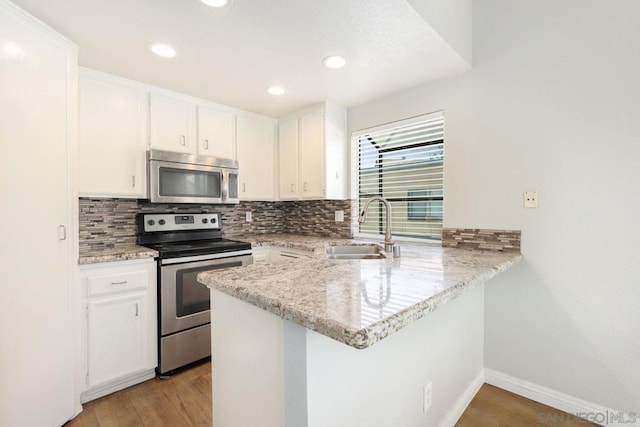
(113, 137)
(313, 146)
(288, 159)
(256, 158)
(311, 175)
(121, 119)
(216, 133)
(172, 124)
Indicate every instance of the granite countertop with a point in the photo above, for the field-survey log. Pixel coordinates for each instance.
(293, 241)
(119, 252)
(356, 302)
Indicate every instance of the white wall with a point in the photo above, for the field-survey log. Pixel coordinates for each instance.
(553, 104)
(247, 355)
(382, 386)
(273, 373)
(452, 19)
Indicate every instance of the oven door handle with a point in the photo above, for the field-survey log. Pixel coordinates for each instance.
(221, 256)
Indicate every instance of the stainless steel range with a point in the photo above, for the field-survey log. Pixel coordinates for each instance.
(187, 244)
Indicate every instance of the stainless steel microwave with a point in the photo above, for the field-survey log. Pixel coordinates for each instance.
(186, 178)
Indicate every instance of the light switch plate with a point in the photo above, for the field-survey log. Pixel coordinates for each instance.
(339, 216)
(248, 216)
(531, 199)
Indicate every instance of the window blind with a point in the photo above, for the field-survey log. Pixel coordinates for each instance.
(402, 162)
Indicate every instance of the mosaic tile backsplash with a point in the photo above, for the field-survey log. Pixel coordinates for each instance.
(317, 218)
(474, 238)
(106, 222)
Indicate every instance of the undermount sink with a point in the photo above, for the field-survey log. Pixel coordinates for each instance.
(355, 252)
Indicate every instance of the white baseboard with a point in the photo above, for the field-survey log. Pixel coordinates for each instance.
(590, 411)
(117, 385)
(463, 401)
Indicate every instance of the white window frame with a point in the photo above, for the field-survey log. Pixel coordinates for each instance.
(355, 189)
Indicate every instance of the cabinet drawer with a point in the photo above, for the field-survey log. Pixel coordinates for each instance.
(119, 282)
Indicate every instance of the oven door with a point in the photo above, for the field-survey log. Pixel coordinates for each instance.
(171, 182)
(184, 302)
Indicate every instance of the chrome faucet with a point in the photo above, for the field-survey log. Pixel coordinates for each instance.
(389, 247)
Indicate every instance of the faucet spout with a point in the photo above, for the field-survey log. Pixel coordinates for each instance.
(388, 243)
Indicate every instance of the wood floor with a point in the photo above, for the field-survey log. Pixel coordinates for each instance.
(494, 407)
(185, 400)
(182, 400)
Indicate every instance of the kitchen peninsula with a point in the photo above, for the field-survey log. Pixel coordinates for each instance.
(321, 342)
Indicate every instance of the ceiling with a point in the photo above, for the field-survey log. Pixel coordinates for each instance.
(231, 55)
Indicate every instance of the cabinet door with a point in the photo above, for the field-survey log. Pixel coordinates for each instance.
(256, 158)
(38, 81)
(113, 139)
(216, 133)
(288, 159)
(172, 124)
(312, 161)
(117, 337)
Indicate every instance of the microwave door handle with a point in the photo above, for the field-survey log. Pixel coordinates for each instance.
(224, 186)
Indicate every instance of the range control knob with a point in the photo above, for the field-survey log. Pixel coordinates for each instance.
(151, 222)
(214, 220)
(205, 220)
(162, 222)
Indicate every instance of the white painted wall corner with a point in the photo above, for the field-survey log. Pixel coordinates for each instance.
(463, 401)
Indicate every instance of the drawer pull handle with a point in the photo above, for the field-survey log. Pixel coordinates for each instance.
(137, 311)
(124, 282)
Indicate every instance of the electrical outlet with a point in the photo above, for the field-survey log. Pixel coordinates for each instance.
(248, 216)
(531, 199)
(339, 216)
(427, 397)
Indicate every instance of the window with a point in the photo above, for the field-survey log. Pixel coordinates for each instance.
(402, 162)
(420, 208)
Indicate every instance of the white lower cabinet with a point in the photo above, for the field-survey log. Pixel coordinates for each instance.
(120, 326)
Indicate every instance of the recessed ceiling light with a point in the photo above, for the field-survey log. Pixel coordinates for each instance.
(216, 3)
(275, 90)
(334, 62)
(163, 50)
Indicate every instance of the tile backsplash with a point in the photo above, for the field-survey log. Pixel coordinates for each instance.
(317, 218)
(474, 238)
(105, 222)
